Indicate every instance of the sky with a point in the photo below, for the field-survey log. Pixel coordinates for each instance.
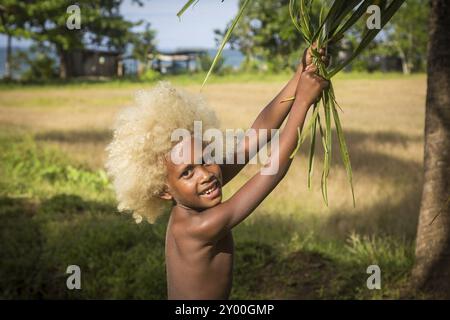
(194, 30)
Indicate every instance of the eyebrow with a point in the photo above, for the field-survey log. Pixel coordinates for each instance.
(184, 167)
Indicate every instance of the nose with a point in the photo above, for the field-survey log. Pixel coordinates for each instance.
(206, 175)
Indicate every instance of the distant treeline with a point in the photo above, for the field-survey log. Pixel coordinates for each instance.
(265, 36)
(268, 39)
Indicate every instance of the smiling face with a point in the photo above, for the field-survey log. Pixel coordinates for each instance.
(193, 184)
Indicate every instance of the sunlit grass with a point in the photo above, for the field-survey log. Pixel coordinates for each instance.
(194, 78)
(292, 246)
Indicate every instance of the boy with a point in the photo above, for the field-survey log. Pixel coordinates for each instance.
(199, 243)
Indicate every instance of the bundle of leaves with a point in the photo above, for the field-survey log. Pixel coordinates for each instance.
(335, 19)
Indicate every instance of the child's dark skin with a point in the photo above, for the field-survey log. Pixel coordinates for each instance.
(199, 243)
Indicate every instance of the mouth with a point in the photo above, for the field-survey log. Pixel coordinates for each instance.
(211, 191)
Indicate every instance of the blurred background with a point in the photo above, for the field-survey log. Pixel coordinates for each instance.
(61, 89)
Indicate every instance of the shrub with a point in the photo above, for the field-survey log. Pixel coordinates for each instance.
(150, 75)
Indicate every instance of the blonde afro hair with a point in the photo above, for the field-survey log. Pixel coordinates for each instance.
(141, 140)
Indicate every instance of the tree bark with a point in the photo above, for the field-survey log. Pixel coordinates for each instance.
(63, 72)
(8, 74)
(431, 273)
(405, 64)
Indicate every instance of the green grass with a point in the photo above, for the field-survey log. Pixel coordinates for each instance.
(196, 79)
(55, 212)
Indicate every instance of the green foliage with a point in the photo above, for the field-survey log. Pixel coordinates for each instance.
(118, 259)
(385, 252)
(185, 7)
(338, 19)
(226, 38)
(144, 44)
(14, 24)
(54, 213)
(34, 171)
(41, 65)
(205, 62)
(150, 75)
(407, 35)
(20, 250)
(47, 223)
(265, 30)
(45, 22)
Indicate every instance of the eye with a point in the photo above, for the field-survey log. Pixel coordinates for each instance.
(187, 172)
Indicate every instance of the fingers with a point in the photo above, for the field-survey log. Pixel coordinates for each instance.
(309, 52)
(311, 85)
(326, 60)
(322, 81)
(322, 53)
(312, 68)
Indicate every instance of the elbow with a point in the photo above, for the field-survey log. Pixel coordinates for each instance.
(275, 166)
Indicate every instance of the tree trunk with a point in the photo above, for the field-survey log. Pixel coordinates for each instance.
(8, 74)
(62, 65)
(431, 273)
(405, 65)
(140, 68)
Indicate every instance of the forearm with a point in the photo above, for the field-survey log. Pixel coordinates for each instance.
(289, 136)
(261, 185)
(215, 222)
(273, 115)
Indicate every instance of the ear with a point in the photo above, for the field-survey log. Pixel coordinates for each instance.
(165, 194)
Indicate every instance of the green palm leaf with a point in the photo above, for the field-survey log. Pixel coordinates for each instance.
(185, 7)
(340, 17)
(343, 148)
(225, 39)
(386, 15)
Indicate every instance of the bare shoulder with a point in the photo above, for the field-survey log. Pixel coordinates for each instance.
(183, 222)
(177, 221)
(197, 225)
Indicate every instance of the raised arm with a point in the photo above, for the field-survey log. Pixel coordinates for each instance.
(271, 117)
(213, 223)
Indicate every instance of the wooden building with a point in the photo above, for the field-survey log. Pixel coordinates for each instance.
(107, 64)
(177, 61)
(93, 63)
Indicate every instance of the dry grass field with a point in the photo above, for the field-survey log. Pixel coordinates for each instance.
(383, 122)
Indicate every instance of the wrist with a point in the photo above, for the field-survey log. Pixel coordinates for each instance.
(301, 103)
(299, 70)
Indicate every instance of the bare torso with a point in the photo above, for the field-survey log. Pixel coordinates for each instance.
(195, 269)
